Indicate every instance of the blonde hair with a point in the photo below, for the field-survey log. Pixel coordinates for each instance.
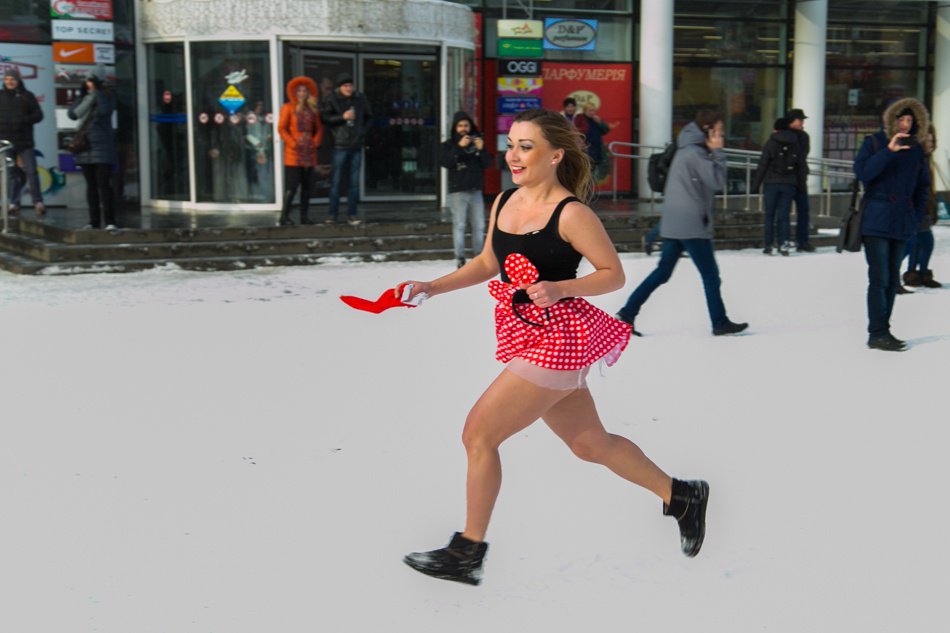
(574, 170)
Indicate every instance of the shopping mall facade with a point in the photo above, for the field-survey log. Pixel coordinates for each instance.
(199, 81)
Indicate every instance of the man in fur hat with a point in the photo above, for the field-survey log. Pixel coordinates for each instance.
(19, 112)
(893, 169)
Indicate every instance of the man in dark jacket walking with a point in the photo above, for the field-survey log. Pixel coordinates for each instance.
(698, 171)
(795, 118)
(465, 157)
(19, 112)
(347, 113)
(782, 171)
(893, 169)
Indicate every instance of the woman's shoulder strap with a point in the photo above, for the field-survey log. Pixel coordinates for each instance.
(505, 195)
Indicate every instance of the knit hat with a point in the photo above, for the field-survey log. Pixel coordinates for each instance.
(905, 112)
(343, 78)
(11, 72)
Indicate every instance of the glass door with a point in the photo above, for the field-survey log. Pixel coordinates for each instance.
(402, 146)
(168, 122)
(401, 150)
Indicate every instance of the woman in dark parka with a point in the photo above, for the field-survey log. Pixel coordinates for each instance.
(892, 166)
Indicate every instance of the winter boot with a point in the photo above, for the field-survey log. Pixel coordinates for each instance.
(901, 290)
(688, 506)
(729, 327)
(460, 560)
(633, 330)
(927, 280)
(285, 211)
(912, 278)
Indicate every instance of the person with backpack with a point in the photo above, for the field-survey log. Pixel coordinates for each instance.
(781, 170)
(686, 223)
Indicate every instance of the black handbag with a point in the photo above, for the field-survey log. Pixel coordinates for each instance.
(79, 143)
(849, 235)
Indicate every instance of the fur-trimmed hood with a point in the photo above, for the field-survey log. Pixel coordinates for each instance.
(297, 81)
(921, 118)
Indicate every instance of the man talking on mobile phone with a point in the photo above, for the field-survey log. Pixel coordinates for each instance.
(697, 172)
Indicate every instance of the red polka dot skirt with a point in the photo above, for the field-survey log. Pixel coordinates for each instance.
(571, 334)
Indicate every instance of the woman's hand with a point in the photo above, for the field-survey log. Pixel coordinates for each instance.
(895, 145)
(417, 288)
(544, 294)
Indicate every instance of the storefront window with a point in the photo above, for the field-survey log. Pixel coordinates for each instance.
(168, 122)
(25, 21)
(233, 123)
(461, 90)
(875, 53)
(728, 41)
(515, 9)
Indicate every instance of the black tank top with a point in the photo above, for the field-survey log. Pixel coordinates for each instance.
(555, 259)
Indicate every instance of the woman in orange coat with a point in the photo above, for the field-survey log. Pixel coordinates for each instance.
(300, 128)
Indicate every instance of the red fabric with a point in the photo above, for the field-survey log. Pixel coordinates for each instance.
(573, 334)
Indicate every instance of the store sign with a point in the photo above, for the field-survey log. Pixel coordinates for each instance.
(231, 100)
(81, 9)
(520, 86)
(520, 48)
(514, 105)
(83, 53)
(575, 35)
(519, 67)
(521, 29)
(83, 30)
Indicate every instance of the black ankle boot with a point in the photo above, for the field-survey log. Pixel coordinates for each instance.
(461, 561)
(927, 280)
(688, 506)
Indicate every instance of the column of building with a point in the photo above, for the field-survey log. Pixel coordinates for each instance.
(941, 98)
(656, 82)
(808, 74)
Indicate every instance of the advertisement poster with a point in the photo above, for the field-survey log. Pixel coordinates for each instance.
(35, 64)
(81, 9)
(606, 87)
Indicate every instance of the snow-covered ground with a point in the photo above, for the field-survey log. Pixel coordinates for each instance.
(240, 452)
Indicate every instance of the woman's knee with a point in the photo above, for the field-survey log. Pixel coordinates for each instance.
(590, 447)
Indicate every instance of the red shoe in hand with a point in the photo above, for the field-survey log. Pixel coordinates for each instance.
(386, 300)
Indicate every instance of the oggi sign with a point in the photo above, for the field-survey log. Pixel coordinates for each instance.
(519, 68)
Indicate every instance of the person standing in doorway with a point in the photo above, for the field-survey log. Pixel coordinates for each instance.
(796, 123)
(19, 112)
(698, 171)
(347, 113)
(94, 109)
(549, 336)
(302, 132)
(892, 166)
(465, 157)
(570, 108)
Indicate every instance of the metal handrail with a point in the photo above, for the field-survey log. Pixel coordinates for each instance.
(5, 162)
(829, 170)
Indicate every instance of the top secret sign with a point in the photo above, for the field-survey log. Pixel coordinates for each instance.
(83, 30)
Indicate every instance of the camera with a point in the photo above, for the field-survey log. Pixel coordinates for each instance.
(470, 148)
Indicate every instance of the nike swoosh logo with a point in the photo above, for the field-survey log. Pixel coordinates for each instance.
(71, 53)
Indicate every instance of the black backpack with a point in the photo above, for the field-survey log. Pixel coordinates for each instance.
(786, 160)
(658, 167)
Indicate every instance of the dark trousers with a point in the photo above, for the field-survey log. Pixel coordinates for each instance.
(919, 249)
(778, 205)
(701, 252)
(295, 177)
(884, 257)
(801, 216)
(350, 159)
(99, 196)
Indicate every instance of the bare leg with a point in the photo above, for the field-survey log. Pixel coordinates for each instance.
(509, 405)
(574, 419)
